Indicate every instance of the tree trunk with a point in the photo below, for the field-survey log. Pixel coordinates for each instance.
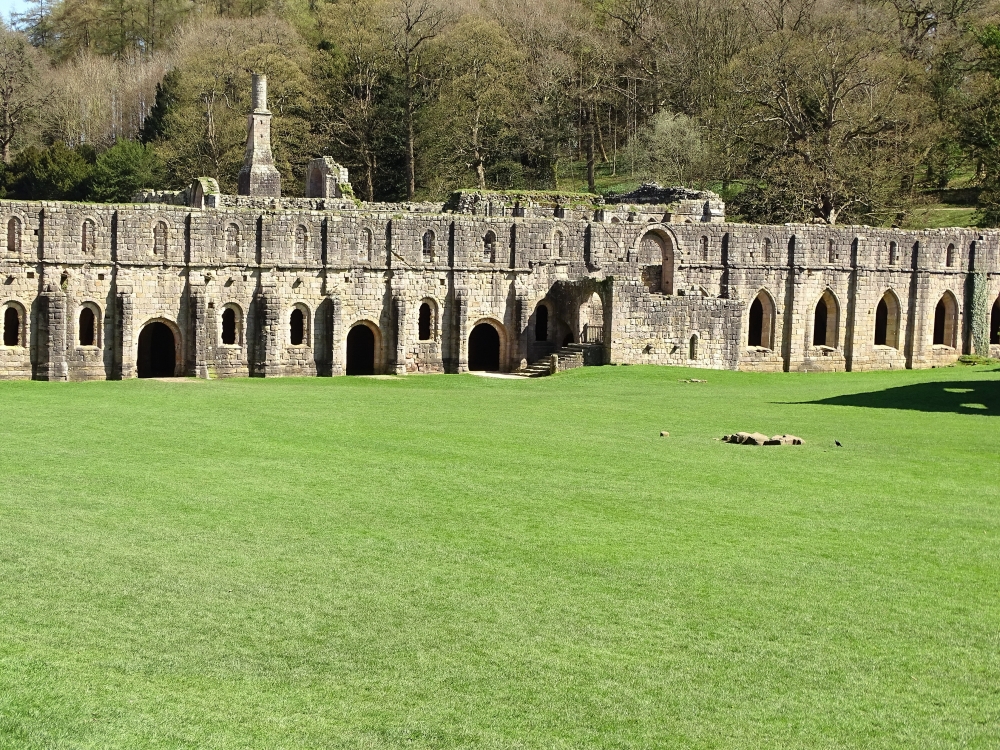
(591, 183)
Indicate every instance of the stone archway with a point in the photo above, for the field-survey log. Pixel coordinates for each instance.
(360, 351)
(484, 348)
(157, 356)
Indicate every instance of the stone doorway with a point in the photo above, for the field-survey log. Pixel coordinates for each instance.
(157, 352)
(361, 351)
(484, 348)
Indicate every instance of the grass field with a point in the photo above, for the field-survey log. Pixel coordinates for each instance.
(459, 562)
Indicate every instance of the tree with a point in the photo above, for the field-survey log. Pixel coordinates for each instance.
(479, 89)
(125, 169)
(20, 89)
(831, 125)
(410, 26)
(204, 131)
(672, 150)
(55, 173)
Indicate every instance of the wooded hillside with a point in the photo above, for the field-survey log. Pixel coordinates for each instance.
(794, 110)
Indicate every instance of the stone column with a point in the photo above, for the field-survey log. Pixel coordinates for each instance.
(124, 332)
(336, 328)
(272, 333)
(201, 340)
(56, 369)
(399, 313)
(259, 176)
(461, 327)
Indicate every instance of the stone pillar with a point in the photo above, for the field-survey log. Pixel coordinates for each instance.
(124, 332)
(56, 368)
(259, 176)
(521, 324)
(271, 330)
(336, 328)
(461, 327)
(399, 313)
(201, 338)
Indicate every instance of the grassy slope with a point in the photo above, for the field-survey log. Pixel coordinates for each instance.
(460, 562)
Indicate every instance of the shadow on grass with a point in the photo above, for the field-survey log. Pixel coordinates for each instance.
(961, 397)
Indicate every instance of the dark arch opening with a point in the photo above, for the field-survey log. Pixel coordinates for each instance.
(881, 322)
(11, 327)
(424, 322)
(541, 323)
(87, 327)
(484, 348)
(995, 323)
(939, 315)
(756, 335)
(297, 327)
(819, 324)
(157, 352)
(361, 351)
(229, 326)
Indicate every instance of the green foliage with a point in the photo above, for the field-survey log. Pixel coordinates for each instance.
(671, 149)
(53, 173)
(979, 313)
(458, 562)
(123, 170)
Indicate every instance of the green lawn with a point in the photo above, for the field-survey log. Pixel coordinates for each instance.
(459, 562)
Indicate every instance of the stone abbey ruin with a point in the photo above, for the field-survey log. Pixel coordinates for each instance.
(195, 282)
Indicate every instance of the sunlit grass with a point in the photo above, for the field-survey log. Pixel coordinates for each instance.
(458, 562)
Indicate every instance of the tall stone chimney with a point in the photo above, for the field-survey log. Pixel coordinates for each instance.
(259, 176)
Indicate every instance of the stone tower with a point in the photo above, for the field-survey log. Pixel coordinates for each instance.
(259, 177)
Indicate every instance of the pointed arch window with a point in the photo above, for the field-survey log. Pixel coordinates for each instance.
(427, 247)
(490, 247)
(232, 241)
(704, 248)
(87, 239)
(13, 235)
(301, 243)
(949, 259)
(160, 239)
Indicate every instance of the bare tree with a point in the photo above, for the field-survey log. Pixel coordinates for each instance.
(20, 88)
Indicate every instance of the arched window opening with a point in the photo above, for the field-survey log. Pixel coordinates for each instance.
(367, 249)
(229, 326)
(297, 327)
(949, 259)
(825, 321)
(761, 322)
(881, 322)
(704, 248)
(657, 247)
(819, 324)
(995, 323)
(945, 320)
(87, 237)
(893, 253)
(87, 327)
(160, 238)
(232, 241)
(14, 235)
(11, 327)
(424, 322)
(887, 321)
(301, 243)
(427, 251)
(490, 247)
(693, 348)
(831, 252)
(767, 249)
(560, 243)
(542, 323)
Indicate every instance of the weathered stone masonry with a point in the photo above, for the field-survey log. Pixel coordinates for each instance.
(267, 286)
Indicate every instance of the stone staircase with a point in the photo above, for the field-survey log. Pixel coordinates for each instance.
(570, 356)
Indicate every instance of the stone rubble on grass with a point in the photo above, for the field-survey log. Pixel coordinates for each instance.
(756, 438)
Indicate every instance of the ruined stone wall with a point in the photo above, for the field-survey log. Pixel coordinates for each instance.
(599, 273)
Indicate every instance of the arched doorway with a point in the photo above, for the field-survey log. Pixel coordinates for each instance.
(484, 348)
(157, 352)
(361, 351)
(592, 320)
